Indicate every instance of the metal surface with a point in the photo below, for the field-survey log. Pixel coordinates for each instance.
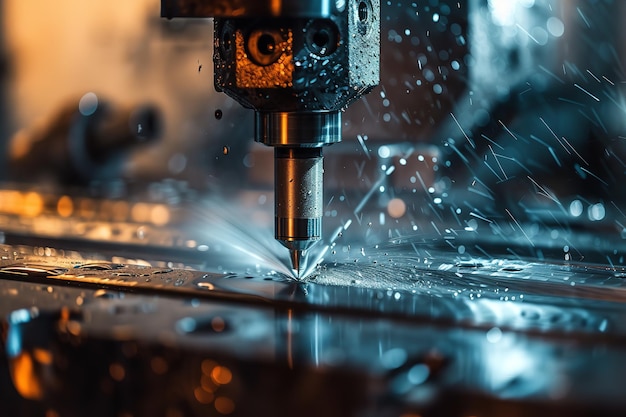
(298, 129)
(531, 343)
(299, 199)
(247, 8)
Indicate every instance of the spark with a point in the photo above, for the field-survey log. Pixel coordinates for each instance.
(493, 171)
(527, 33)
(451, 244)
(614, 155)
(369, 195)
(368, 107)
(608, 258)
(483, 251)
(553, 75)
(608, 81)
(514, 160)
(575, 151)
(587, 92)
(507, 129)
(621, 106)
(555, 136)
(549, 128)
(459, 153)
(361, 140)
(594, 175)
(594, 76)
(471, 142)
(406, 117)
(582, 16)
(475, 191)
(545, 192)
(435, 227)
(512, 252)
(526, 91)
(419, 177)
(492, 141)
(550, 149)
(520, 227)
(498, 162)
(480, 217)
(576, 103)
(595, 113)
(435, 212)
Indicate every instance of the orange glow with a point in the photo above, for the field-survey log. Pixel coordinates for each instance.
(221, 375)
(65, 314)
(32, 205)
(203, 396)
(87, 208)
(224, 405)
(140, 213)
(24, 377)
(207, 384)
(159, 365)
(65, 206)
(10, 201)
(284, 127)
(117, 371)
(396, 208)
(160, 215)
(207, 366)
(120, 211)
(73, 327)
(43, 356)
(276, 6)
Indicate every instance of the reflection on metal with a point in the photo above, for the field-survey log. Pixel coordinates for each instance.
(247, 8)
(25, 376)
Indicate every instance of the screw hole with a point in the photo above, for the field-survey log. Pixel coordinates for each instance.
(266, 44)
(363, 12)
(321, 39)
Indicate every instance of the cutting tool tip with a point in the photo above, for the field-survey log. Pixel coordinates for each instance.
(296, 257)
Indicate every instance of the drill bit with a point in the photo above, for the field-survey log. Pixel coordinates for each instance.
(298, 186)
(295, 256)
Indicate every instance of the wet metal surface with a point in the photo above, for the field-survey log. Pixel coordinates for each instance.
(492, 334)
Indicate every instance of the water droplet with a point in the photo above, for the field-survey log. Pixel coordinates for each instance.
(218, 114)
(494, 335)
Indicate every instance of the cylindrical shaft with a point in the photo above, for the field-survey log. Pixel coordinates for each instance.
(298, 187)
